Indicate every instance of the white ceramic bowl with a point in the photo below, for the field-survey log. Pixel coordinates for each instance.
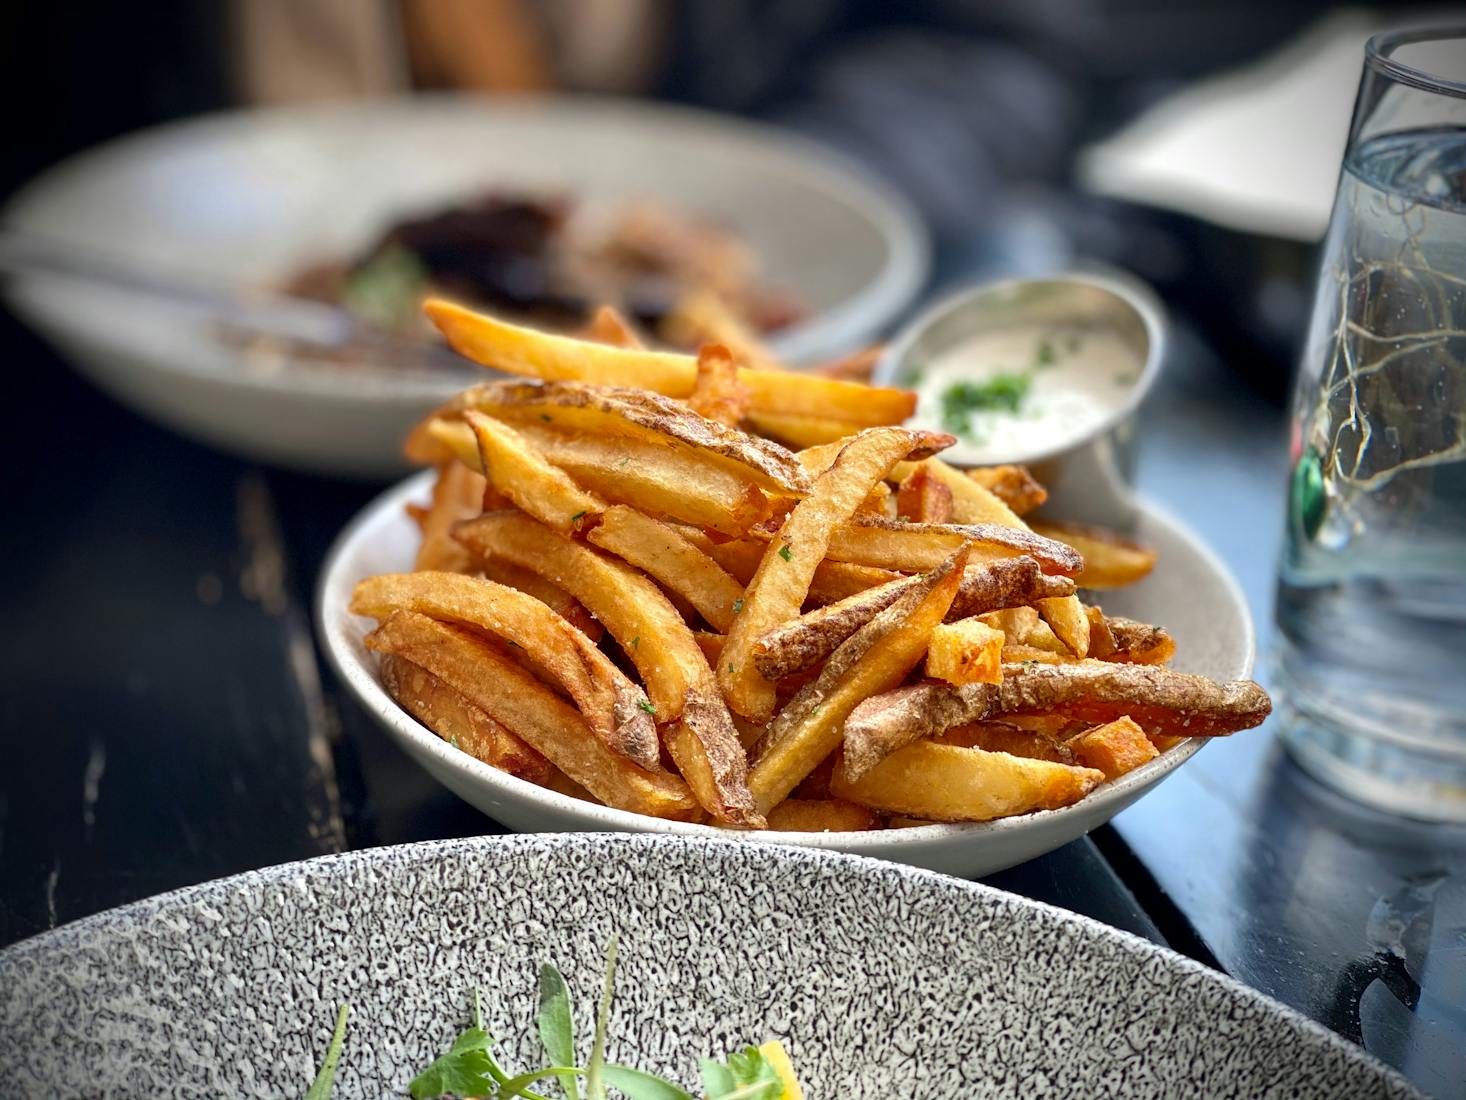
(1190, 593)
(252, 196)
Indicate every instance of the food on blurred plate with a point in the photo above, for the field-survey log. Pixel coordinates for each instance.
(627, 592)
(471, 1067)
(549, 260)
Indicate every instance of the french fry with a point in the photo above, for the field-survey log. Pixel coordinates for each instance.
(703, 317)
(1003, 737)
(626, 413)
(608, 325)
(1069, 622)
(833, 580)
(615, 708)
(778, 588)
(799, 643)
(661, 481)
(718, 395)
(482, 674)
(1023, 627)
(533, 354)
(949, 783)
(453, 718)
(1101, 638)
(923, 499)
(458, 494)
(966, 652)
(825, 815)
(556, 599)
(876, 658)
(915, 547)
(1015, 486)
(522, 474)
(1110, 560)
(656, 640)
(1139, 643)
(802, 431)
(1021, 654)
(660, 551)
(1114, 748)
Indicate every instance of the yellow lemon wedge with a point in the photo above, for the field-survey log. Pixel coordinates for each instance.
(776, 1056)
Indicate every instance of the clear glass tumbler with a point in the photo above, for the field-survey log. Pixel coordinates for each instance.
(1371, 611)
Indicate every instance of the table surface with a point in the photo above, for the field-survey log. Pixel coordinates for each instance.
(168, 719)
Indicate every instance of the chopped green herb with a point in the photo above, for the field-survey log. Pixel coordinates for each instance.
(545, 417)
(1001, 393)
(454, 741)
(785, 552)
(635, 642)
(578, 516)
(903, 519)
(730, 666)
(737, 605)
(624, 463)
(1045, 356)
(647, 705)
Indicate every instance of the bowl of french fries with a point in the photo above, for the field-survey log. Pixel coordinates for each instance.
(654, 591)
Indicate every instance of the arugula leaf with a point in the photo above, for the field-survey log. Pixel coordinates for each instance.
(321, 1087)
(466, 1070)
(554, 1022)
(637, 1084)
(748, 1075)
(595, 1088)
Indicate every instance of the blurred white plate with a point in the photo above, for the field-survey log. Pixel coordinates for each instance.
(253, 196)
(1190, 593)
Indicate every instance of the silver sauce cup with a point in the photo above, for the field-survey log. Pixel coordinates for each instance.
(1089, 476)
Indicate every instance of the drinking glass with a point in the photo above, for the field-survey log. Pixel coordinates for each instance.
(1370, 658)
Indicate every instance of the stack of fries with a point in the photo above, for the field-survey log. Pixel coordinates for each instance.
(626, 595)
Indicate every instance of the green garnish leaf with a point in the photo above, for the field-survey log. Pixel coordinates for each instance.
(466, 1070)
(511, 1087)
(737, 605)
(557, 1032)
(747, 1075)
(636, 642)
(785, 552)
(637, 1084)
(578, 516)
(454, 741)
(595, 1086)
(1003, 392)
(730, 666)
(384, 290)
(545, 417)
(647, 705)
(321, 1087)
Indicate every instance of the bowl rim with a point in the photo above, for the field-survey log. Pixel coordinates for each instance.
(778, 151)
(890, 843)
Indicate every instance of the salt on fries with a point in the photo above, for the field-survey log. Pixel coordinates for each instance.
(855, 635)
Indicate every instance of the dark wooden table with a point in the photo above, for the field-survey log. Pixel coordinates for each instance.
(168, 719)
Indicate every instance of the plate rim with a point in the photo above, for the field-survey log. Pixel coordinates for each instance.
(158, 906)
(892, 843)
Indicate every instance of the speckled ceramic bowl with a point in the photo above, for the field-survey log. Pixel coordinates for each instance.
(1190, 593)
(882, 981)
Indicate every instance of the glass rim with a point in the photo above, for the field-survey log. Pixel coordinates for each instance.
(1378, 49)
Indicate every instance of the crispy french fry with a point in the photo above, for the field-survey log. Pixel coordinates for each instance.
(458, 495)
(1020, 654)
(453, 718)
(614, 707)
(1069, 622)
(825, 815)
(833, 580)
(533, 354)
(923, 499)
(779, 587)
(971, 503)
(1003, 737)
(1023, 627)
(660, 551)
(718, 395)
(914, 547)
(608, 325)
(967, 651)
(626, 413)
(656, 640)
(1110, 560)
(1015, 486)
(515, 468)
(876, 658)
(1101, 638)
(703, 317)
(949, 783)
(1139, 643)
(795, 645)
(483, 675)
(556, 599)
(802, 431)
(1114, 748)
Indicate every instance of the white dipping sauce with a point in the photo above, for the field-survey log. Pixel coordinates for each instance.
(1021, 393)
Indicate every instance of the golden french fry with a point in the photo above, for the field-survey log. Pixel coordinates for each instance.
(556, 599)
(915, 547)
(614, 707)
(718, 395)
(833, 580)
(703, 317)
(950, 783)
(458, 495)
(608, 325)
(802, 431)
(1005, 737)
(1021, 654)
(515, 468)
(626, 413)
(1136, 643)
(824, 815)
(779, 587)
(1069, 622)
(654, 637)
(660, 550)
(923, 499)
(966, 652)
(482, 674)
(533, 354)
(1114, 748)
(876, 658)
(1110, 560)
(1015, 486)
(464, 726)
